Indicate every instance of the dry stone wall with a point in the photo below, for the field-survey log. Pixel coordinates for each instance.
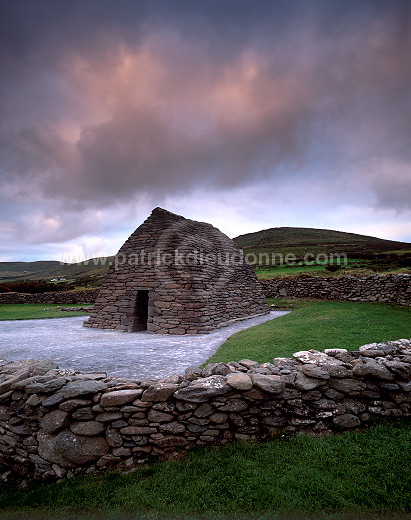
(391, 288)
(49, 298)
(56, 422)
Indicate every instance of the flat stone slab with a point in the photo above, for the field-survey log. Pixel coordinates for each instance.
(138, 354)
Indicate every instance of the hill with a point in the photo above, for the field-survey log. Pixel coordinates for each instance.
(88, 273)
(300, 240)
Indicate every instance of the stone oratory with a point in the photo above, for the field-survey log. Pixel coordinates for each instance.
(177, 276)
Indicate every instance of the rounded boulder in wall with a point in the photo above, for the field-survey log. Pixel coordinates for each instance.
(70, 450)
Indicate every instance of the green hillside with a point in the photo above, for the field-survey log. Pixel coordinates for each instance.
(312, 249)
(89, 272)
(293, 237)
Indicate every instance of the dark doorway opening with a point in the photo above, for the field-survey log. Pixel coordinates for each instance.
(140, 314)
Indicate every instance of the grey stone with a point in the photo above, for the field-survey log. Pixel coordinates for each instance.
(107, 461)
(346, 421)
(173, 378)
(119, 397)
(248, 363)
(170, 440)
(383, 348)
(19, 429)
(172, 428)
(113, 437)
(405, 386)
(121, 452)
(218, 418)
(201, 390)
(325, 404)
(53, 400)
(33, 400)
(87, 428)
(83, 414)
(274, 421)
(268, 383)
(33, 379)
(192, 373)
(46, 387)
(400, 369)
(316, 357)
(272, 368)
(158, 416)
(302, 382)
(372, 369)
(371, 353)
(47, 450)
(137, 430)
(233, 405)
(204, 410)
(18, 375)
(354, 407)
(216, 369)
(297, 421)
(167, 407)
(72, 404)
(77, 449)
(159, 392)
(119, 424)
(76, 388)
(340, 353)
(54, 421)
(5, 413)
(42, 367)
(311, 370)
(108, 416)
(338, 371)
(240, 381)
(347, 386)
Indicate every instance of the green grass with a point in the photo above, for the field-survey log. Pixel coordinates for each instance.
(348, 474)
(316, 324)
(267, 273)
(353, 267)
(27, 311)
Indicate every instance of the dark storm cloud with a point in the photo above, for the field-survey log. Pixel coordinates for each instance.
(101, 100)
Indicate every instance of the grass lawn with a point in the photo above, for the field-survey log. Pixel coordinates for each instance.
(316, 324)
(27, 311)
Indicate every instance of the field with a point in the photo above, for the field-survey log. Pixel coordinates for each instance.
(36, 310)
(359, 475)
(317, 324)
(290, 251)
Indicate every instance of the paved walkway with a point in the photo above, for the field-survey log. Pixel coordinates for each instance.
(138, 354)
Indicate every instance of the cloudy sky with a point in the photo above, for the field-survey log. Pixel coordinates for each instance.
(247, 114)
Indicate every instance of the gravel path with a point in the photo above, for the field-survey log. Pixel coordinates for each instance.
(138, 355)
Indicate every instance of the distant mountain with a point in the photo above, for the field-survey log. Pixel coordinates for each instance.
(53, 270)
(295, 239)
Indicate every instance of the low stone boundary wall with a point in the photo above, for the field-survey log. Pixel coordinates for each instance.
(59, 298)
(57, 422)
(391, 288)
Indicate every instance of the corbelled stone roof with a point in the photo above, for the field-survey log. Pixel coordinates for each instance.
(177, 276)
